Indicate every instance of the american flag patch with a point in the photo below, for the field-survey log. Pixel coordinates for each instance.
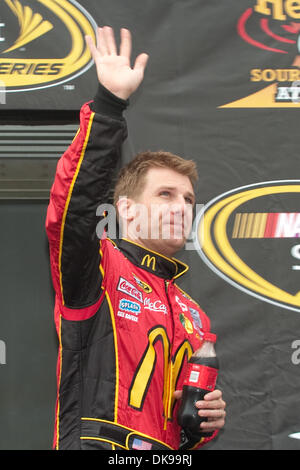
(141, 445)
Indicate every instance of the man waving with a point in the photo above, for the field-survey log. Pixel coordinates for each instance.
(123, 348)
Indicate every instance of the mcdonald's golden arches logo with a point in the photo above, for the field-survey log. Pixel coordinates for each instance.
(43, 43)
(250, 237)
(149, 260)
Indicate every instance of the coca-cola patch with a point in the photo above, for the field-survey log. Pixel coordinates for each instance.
(127, 288)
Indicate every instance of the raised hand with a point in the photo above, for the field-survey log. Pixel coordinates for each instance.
(114, 69)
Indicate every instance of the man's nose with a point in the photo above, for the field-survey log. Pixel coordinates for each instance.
(180, 204)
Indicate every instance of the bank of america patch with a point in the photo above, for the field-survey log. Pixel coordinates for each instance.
(139, 444)
(129, 306)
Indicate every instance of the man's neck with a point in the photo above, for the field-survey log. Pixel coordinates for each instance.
(156, 245)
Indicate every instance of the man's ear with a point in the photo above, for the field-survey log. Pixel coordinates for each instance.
(125, 208)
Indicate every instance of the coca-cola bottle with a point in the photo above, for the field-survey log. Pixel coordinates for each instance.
(200, 379)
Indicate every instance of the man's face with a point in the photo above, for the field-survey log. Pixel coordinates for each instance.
(163, 212)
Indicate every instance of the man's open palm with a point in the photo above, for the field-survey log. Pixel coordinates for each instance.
(114, 69)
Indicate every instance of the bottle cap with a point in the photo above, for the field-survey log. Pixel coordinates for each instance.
(210, 337)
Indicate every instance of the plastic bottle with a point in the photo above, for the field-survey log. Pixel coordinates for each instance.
(201, 378)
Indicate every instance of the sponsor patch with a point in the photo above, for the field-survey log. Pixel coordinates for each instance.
(128, 316)
(196, 320)
(181, 304)
(127, 288)
(155, 306)
(146, 288)
(186, 323)
(129, 306)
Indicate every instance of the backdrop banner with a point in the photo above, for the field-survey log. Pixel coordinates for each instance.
(222, 87)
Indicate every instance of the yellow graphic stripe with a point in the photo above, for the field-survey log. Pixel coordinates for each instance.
(259, 225)
(69, 198)
(236, 226)
(249, 225)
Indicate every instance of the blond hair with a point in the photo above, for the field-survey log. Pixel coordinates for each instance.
(131, 178)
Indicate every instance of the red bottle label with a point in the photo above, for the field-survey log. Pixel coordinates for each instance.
(199, 376)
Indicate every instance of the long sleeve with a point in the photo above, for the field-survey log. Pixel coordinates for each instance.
(82, 182)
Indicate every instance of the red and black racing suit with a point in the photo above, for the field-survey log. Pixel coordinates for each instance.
(125, 328)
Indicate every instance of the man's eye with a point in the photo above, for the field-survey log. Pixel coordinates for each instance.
(164, 193)
(189, 200)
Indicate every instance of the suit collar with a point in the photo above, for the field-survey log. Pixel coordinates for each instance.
(155, 263)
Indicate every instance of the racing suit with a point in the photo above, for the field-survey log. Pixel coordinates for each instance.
(125, 329)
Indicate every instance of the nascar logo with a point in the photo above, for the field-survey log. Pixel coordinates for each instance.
(264, 225)
(233, 240)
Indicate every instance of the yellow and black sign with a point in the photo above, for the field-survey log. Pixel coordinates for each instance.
(253, 249)
(43, 43)
(271, 27)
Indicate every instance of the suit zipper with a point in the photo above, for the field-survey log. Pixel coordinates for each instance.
(170, 369)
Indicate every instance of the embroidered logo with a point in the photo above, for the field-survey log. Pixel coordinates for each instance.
(197, 323)
(127, 288)
(186, 323)
(181, 304)
(128, 316)
(156, 306)
(146, 288)
(129, 306)
(149, 260)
